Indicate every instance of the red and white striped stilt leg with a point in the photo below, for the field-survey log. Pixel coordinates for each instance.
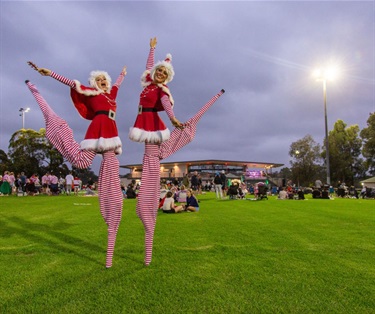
(181, 137)
(110, 199)
(60, 135)
(148, 198)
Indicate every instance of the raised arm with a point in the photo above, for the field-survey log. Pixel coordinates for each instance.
(121, 77)
(151, 56)
(47, 72)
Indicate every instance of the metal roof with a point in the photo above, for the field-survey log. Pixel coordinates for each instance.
(248, 164)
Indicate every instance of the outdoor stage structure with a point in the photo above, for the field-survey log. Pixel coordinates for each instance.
(248, 171)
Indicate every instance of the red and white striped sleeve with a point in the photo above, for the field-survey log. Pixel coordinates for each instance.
(63, 79)
(119, 80)
(150, 59)
(167, 106)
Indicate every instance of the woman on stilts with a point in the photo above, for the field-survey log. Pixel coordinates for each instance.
(98, 104)
(159, 142)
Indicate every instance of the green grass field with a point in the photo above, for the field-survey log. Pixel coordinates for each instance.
(234, 256)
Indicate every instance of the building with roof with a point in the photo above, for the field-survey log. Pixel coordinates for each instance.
(248, 170)
(370, 182)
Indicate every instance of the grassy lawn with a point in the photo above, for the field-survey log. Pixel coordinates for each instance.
(234, 256)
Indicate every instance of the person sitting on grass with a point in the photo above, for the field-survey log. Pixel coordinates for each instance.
(301, 195)
(283, 195)
(316, 193)
(168, 206)
(324, 194)
(191, 202)
(181, 194)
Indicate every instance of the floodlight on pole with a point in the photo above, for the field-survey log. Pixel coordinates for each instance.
(297, 155)
(324, 75)
(22, 114)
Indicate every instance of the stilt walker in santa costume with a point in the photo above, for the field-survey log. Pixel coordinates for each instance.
(159, 142)
(98, 104)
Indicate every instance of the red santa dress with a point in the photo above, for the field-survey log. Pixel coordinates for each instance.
(148, 126)
(100, 108)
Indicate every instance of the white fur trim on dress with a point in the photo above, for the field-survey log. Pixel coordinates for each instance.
(152, 137)
(102, 145)
(86, 92)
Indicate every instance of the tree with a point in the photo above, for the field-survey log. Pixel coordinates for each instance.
(306, 166)
(31, 152)
(5, 163)
(344, 150)
(284, 174)
(85, 175)
(368, 149)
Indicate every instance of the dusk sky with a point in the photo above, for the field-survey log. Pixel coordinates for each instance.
(262, 53)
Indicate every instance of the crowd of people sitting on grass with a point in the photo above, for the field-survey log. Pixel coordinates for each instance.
(174, 197)
(324, 191)
(48, 184)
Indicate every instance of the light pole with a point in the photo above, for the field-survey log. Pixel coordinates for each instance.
(324, 76)
(22, 114)
(297, 154)
(326, 131)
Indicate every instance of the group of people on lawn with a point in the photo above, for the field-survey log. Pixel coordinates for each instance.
(184, 197)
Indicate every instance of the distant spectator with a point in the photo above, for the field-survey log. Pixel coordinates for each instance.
(181, 194)
(169, 207)
(218, 186)
(194, 181)
(191, 202)
(77, 185)
(45, 183)
(54, 184)
(318, 184)
(130, 192)
(331, 190)
(89, 192)
(163, 191)
(69, 183)
(301, 195)
(283, 195)
(363, 191)
(353, 192)
(5, 188)
(274, 190)
(223, 182)
(316, 193)
(324, 194)
(185, 181)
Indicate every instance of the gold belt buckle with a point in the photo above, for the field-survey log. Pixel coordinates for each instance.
(111, 114)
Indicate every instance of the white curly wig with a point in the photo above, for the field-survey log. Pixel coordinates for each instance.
(95, 74)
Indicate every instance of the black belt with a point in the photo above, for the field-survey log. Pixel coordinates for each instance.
(143, 109)
(102, 112)
(110, 114)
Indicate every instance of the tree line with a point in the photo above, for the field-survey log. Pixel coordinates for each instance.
(30, 152)
(351, 156)
(351, 151)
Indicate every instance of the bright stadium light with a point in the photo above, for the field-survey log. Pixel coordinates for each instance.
(329, 73)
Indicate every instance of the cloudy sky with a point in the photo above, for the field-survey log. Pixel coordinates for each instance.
(262, 53)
